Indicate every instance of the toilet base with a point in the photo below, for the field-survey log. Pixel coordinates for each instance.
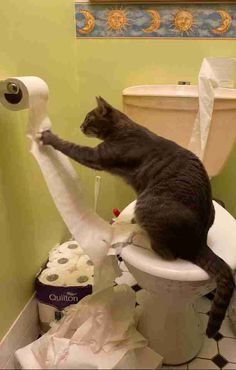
(172, 327)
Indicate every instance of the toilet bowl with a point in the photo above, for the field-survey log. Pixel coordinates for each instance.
(169, 320)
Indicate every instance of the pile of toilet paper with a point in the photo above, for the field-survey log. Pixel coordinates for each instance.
(97, 333)
(67, 278)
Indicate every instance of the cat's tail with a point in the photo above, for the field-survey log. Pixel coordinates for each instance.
(218, 269)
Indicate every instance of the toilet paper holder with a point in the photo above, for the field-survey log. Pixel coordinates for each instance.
(12, 88)
(12, 93)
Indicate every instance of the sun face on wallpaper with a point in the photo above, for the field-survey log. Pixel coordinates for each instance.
(148, 20)
(183, 22)
(117, 19)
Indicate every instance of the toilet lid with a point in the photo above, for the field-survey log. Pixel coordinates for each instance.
(221, 239)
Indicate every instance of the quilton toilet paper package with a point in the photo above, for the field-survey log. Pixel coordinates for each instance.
(53, 299)
(62, 284)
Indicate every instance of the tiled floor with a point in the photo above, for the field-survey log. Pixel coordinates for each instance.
(218, 353)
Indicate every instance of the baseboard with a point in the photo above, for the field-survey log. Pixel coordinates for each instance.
(23, 331)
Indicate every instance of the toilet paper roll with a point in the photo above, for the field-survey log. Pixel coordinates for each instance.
(32, 91)
(16, 92)
(80, 278)
(71, 247)
(65, 261)
(54, 277)
(85, 261)
(54, 255)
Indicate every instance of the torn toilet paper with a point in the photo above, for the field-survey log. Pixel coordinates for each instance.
(215, 72)
(96, 333)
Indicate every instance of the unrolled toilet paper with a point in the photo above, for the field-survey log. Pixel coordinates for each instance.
(215, 72)
(100, 324)
(89, 230)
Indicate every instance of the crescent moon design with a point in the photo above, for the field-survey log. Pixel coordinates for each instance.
(226, 23)
(155, 23)
(89, 22)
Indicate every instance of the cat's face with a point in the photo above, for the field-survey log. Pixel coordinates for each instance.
(99, 123)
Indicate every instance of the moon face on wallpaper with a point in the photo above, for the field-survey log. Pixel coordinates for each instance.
(155, 22)
(226, 22)
(149, 20)
(89, 22)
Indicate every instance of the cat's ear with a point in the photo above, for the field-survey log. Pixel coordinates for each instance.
(103, 106)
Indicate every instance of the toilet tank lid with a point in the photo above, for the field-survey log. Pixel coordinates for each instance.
(176, 91)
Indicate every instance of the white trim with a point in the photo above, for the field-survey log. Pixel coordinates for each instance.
(23, 331)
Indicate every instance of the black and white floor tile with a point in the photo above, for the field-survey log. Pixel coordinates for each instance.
(217, 353)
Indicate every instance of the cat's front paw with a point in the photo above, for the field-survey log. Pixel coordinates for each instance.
(45, 137)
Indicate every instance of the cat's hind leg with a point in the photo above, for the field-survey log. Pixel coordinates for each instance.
(147, 215)
(172, 228)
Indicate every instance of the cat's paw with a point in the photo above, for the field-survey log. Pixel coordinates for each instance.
(45, 137)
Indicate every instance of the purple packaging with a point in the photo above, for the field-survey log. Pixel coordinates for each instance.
(60, 297)
(53, 299)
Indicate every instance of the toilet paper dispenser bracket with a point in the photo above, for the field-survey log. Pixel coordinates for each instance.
(13, 94)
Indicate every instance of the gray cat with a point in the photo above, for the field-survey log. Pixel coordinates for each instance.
(174, 199)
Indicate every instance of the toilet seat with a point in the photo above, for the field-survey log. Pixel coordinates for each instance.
(221, 239)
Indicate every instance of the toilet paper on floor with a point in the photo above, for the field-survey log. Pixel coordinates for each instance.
(91, 232)
(215, 72)
(96, 333)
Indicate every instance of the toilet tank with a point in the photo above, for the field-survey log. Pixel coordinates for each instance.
(170, 111)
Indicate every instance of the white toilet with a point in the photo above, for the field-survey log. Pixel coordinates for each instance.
(169, 320)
